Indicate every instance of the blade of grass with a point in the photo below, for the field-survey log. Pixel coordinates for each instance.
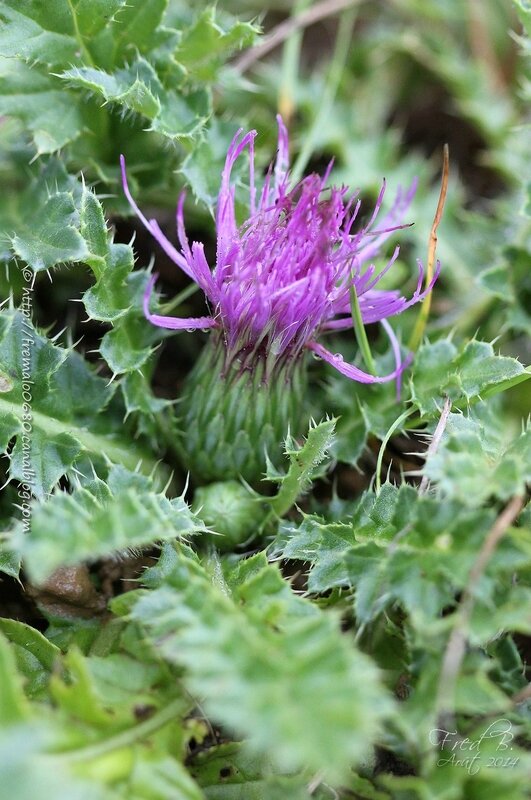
(422, 319)
(396, 424)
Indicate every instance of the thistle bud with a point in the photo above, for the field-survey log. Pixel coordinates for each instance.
(233, 417)
(229, 509)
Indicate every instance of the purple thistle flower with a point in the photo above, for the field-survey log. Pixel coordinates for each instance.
(283, 278)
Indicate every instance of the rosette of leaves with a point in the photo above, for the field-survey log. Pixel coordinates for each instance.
(67, 67)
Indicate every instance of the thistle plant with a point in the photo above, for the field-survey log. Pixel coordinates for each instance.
(293, 271)
(365, 638)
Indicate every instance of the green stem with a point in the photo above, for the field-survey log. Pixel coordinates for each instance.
(396, 424)
(335, 72)
(125, 738)
(79, 38)
(176, 301)
(359, 329)
(92, 442)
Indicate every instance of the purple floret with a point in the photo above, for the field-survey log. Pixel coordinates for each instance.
(283, 278)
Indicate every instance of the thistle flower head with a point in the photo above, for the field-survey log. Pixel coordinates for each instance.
(285, 277)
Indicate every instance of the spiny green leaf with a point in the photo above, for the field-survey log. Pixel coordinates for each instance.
(44, 224)
(65, 396)
(63, 31)
(304, 463)
(58, 220)
(399, 547)
(49, 115)
(138, 395)
(475, 461)
(90, 690)
(86, 525)
(127, 347)
(114, 292)
(137, 88)
(9, 426)
(375, 517)
(117, 676)
(136, 25)
(497, 280)
(34, 36)
(119, 52)
(510, 282)
(93, 229)
(46, 460)
(202, 44)
(94, 15)
(183, 115)
(51, 237)
(442, 370)
(322, 686)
